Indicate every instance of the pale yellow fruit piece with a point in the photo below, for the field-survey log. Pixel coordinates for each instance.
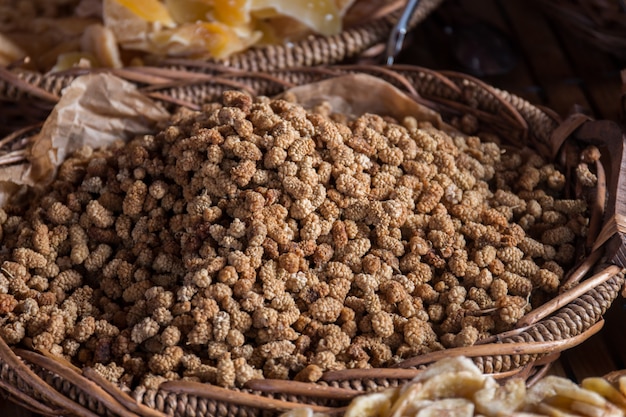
(412, 408)
(232, 12)
(589, 410)
(454, 364)
(200, 39)
(501, 399)
(49, 58)
(152, 11)
(450, 407)
(371, 405)
(551, 411)
(281, 29)
(553, 386)
(101, 42)
(127, 26)
(9, 51)
(189, 11)
(408, 400)
(559, 401)
(73, 60)
(298, 412)
(322, 16)
(453, 384)
(605, 389)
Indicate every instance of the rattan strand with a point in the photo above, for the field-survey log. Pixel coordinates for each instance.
(469, 92)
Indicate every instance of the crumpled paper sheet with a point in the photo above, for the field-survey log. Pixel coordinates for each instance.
(357, 94)
(94, 110)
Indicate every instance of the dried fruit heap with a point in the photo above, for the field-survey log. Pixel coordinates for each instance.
(456, 387)
(256, 239)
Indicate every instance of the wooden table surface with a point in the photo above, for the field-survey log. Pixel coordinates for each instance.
(554, 70)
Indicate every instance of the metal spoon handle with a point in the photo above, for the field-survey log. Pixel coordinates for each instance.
(399, 31)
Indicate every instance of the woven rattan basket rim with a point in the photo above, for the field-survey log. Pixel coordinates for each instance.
(577, 316)
(311, 51)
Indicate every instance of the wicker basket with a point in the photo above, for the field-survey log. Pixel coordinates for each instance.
(361, 41)
(600, 23)
(53, 387)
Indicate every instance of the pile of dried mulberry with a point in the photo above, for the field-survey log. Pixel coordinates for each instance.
(257, 239)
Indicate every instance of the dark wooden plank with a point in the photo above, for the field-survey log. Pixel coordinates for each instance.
(591, 358)
(558, 369)
(614, 333)
(605, 97)
(429, 46)
(537, 40)
(598, 72)
(519, 80)
(548, 63)
(8, 408)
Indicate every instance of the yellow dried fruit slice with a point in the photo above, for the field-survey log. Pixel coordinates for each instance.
(497, 400)
(605, 389)
(149, 10)
(189, 11)
(198, 39)
(127, 26)
(371, 405)
(449, 407)
(453, 384)
(74, 59)
(100, 41)
(563, 390)
(450, 365)
(232, 12)
(322, 16)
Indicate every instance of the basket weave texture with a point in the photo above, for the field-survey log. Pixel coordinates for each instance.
(51, 387)
(599, 23)
(311, 51)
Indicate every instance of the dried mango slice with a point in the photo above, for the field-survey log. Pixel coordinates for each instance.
(322, 16)
(453, 384)
(449, 407)
(497, 400)
(604, 388)
(199, 39)
(74, 59)
(100, 41)
(127, 26)
(372, 405)
(553, 386)
(217, 28)
(232, 12)
(152, 11)
(189, 11)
